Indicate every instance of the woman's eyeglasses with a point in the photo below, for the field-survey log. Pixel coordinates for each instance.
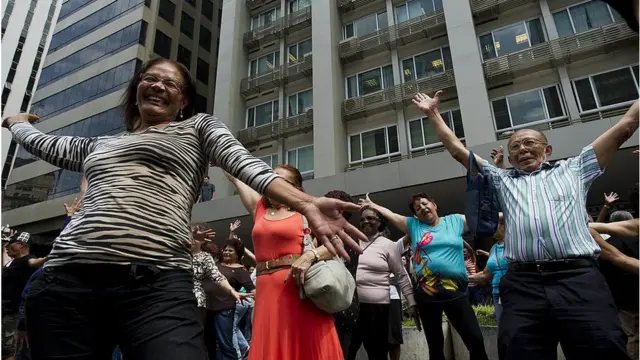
(172, 85)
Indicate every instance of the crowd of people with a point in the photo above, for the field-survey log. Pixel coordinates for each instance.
(131, 277)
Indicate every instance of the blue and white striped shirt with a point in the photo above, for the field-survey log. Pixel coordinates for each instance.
(545, 211)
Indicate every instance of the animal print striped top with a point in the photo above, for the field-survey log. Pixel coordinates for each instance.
(141, 188)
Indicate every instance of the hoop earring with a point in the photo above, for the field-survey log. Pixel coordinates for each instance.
(180, 113)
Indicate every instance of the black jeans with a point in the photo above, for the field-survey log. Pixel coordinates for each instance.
(82, 312)
(572, 307)
(372, 331)
(461, 317)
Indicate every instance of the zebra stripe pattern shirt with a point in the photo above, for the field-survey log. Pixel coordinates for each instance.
(545, 211)
(141, 188)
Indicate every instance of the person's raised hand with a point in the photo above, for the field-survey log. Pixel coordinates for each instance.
(10, 120)
(75, 205)
(366, 203)
(497, 155)
(426, 103)
(330, 227)
(234, 226)
(200, 234)
(611, 198)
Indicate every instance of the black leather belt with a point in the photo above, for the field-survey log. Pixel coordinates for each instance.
(542, 266)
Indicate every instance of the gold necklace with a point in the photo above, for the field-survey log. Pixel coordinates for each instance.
(272, 212)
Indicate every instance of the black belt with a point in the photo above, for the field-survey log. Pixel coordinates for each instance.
(542, 266)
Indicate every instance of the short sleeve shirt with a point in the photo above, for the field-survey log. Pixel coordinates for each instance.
(438, 259)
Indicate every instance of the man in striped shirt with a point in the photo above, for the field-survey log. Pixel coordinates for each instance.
(553, 291)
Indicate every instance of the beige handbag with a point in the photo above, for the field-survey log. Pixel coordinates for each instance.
(327, 283)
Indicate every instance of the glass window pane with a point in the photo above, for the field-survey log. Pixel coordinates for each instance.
(383, 22)
(292, 158)
(275, 160)
(401, 14)
(437, 4)
(366, 25)
(251, 117)
(615, 87)
(264, 114)
(352, 87)
(457, 123)
(293, 53)
(526, 107)
(446, 57)
(392, 136)
(305, 48)
(348, 31)
(305, 159)
(554, 104)
(585, 94)
(276, 109)
(387, 76)
(415, 134)
(501, 114)
(429, 64)
(293, 105)
(590, 15)
(369, 82)
(374, 143)
(407, 69)
(536, 34)
(355, 147)
(487, 48)
(305, 101)
(563, 23)
(430, 136)
(511, 39)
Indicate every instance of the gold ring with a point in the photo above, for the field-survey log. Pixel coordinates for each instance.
(335, 237)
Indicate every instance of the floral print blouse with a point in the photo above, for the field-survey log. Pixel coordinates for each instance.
(204, 267)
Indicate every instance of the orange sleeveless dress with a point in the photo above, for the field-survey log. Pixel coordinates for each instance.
(284, 326)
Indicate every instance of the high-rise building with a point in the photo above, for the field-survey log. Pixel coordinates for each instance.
(96, 47)
(26, 33)
(327, 86)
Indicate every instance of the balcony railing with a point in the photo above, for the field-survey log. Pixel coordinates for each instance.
(486, 10)
(565, 50)
(254, 4)
(281, 26)
(425, 26)
(397, 96)
(349, 5)
(282, 128)
(277, 77)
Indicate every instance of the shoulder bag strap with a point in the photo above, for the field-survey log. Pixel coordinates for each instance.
(307, 240)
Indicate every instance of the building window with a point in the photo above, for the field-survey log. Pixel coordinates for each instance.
(192, 2)
(512, 38)
(207, 9)
(427, 64)
(72, 6)
(611, 88)
(205, 38)
(184, 56)
(162, 45)
(271, 160)
(369, 82)
(423, 135)
(266, 19)
(301, 159)
(200, 104)
(296, 5)
(142, 40)
(202, 71)
(219, 16)
(299, 50)
(582, 17)
(300, 103)
(167, 10)
(415, 8)
(373, 144)
(527, 108)
(365, 26)
(264, 64)
(186, 25)
(263, 114)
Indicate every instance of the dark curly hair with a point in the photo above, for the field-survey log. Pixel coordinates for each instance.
(383, 221)
(415, 197)
(340, 195)
(237, 245)
(129, 100)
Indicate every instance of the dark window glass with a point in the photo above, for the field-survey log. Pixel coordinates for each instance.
(186, 25)
(554, 104)
(143, 33)
(147, 3)
(501, 114)
(184, 56)
(192, 2)
(219, 16)
(92, 22)
(167, 10)
(205, 38)
(72, 6)
(200, 105)
(585, 94)
(457, 123)
(109, 122)
(44, 187)
(202, 71)
(91, 54)
(88, 90)
(162, 46)
(207, 9)
(615, 87)
(5, 96)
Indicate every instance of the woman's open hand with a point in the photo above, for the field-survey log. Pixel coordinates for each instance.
(199, 234)
(330, 228)
(8, 121)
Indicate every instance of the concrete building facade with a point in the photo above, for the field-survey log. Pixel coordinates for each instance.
(327, 85)
(94, 50)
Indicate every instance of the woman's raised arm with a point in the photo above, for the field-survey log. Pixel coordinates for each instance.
(66, 152)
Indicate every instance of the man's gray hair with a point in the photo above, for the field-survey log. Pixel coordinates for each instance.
(620, 215)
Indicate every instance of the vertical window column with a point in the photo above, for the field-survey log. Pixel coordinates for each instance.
(563, 75)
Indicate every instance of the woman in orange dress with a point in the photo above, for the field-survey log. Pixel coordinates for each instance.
(285, 327)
